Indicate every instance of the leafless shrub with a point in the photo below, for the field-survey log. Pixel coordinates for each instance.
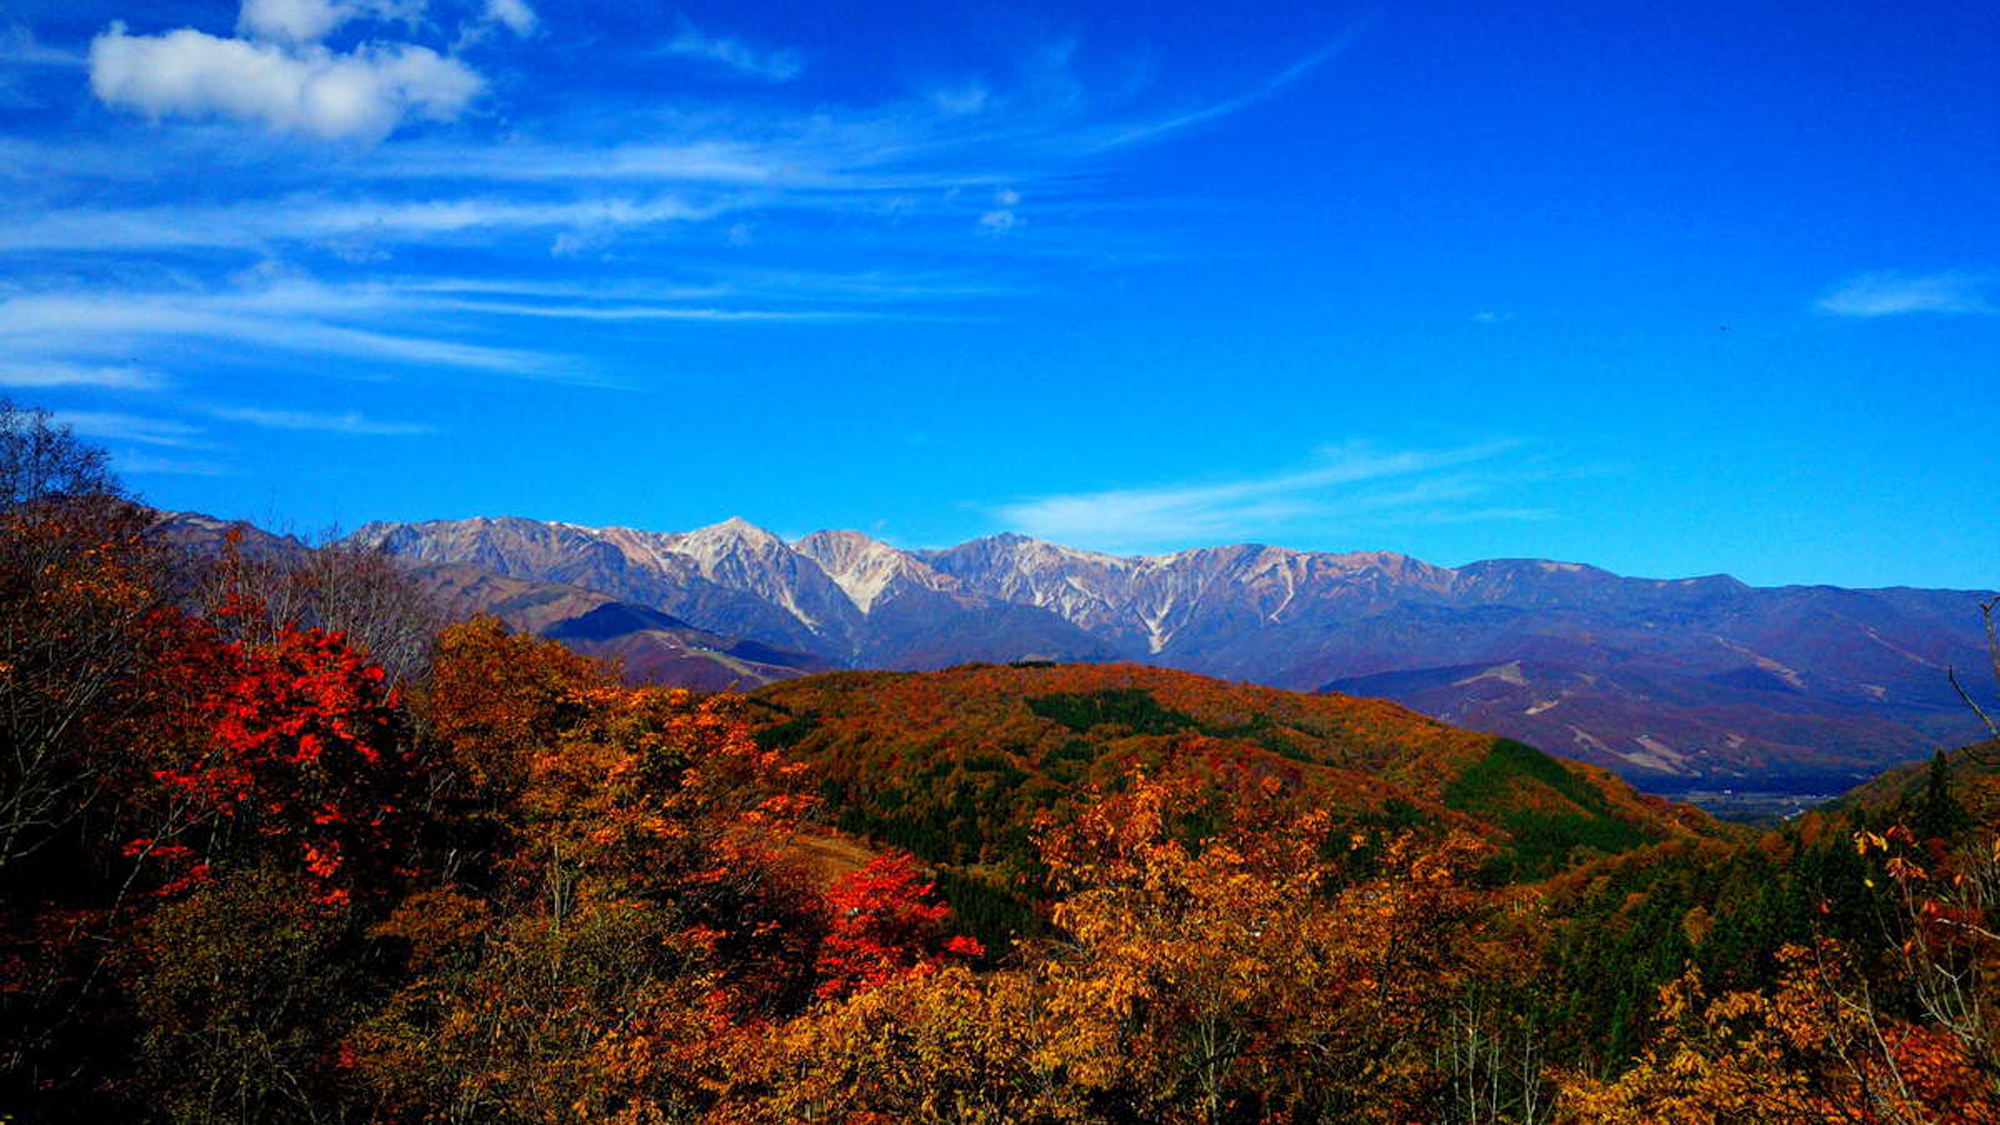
(79, 574)
(337, 586)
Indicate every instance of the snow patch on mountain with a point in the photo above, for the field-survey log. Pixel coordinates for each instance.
(865, 568)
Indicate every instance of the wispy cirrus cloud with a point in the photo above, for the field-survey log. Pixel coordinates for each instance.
(19, 47)
(1137, 132)
(738, 56)
(60, 374)
(113, 426)
(714, 283)
(602, 312)
(387, 326)
(1354, 484)
(104, 337)
(898, 159)
(514, 15)
(24, 60)
(1890, 293)
(252, 226)
(125, 274)
(57, 326)
(350, 422)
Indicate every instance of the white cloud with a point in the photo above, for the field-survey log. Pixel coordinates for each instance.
(130, 427)
(363, 96)
(351, 422)
(1350, 482)
(1002, 217)
(60, 374)
(292, 21)
(515, 15)
(957, 101)
(1889, 293)
(771, 66)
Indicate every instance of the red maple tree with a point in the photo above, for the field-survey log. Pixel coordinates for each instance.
(886, 925)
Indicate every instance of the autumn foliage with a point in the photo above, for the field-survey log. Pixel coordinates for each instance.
(886, 924)
(1241, 976)
(298, 751)
(249, 879)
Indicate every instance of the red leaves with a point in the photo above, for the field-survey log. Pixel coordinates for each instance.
(885, 926)
(300, 745)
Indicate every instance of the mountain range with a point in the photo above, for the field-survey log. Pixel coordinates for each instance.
(650, 645)
(1673, 683)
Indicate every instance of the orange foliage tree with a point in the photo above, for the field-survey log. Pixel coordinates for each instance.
(640, 911)
(1237, 976)
(79, 586)
(1804, 1052)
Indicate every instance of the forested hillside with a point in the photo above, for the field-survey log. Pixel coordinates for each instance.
(960, 766)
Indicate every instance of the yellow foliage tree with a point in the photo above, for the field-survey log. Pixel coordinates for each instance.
(949, 1046)
(1234, 977)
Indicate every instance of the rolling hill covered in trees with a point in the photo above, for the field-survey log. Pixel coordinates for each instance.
(957, 766)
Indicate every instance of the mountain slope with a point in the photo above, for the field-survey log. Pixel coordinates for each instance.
(637, 567)
(649, 646)
(1743, 724)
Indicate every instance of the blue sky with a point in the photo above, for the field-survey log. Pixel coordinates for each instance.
(1669, 290)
